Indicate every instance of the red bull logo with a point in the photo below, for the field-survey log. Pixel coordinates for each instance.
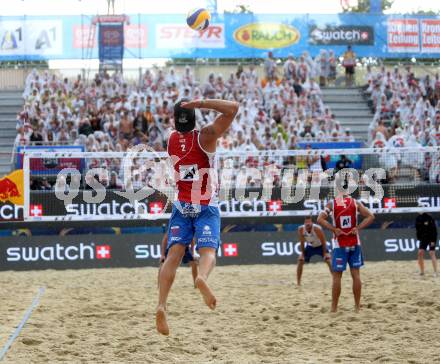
(11, 188)
(8, 189)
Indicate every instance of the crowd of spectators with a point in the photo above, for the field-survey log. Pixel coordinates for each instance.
(406, 114)
(277, 112)
(108, 113)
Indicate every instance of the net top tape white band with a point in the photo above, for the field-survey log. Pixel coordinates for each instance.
(260, 153)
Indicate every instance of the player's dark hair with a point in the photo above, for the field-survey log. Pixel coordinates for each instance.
(184, 119)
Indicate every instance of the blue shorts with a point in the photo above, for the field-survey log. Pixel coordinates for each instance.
(310, 251)
(200, 222)
(342, 256)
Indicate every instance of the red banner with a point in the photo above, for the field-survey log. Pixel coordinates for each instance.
(430, 35)
(403, 35)
(135, 36)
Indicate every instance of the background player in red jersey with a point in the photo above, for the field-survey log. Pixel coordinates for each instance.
(195, 213)
(347, 249)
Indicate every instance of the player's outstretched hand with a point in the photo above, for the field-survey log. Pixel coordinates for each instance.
(327, 256)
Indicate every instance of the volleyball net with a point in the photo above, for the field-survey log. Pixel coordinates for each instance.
(140, 184)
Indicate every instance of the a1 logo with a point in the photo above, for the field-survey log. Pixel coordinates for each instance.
(345, 222)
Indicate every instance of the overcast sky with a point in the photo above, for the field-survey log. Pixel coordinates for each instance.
(71, 7)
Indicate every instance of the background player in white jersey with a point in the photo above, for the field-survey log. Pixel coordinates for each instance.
(312, 240)
(195, 213)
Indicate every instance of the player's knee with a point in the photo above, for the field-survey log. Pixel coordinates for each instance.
(176, 253)
(421, 253)
(207, 252)
(337, 277)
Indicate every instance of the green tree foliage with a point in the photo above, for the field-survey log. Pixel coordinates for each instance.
(363, 6)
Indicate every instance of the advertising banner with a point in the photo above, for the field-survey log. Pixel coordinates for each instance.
(135, 36)
(141, 250)
(50, 166)
(430, 35)
(111, 42)
(180, 36)
(314, 200)
(403, 35)
(229, 36)
(331, 161)
(32, 37)
(12, 197)
(341, 35)
(267, 35)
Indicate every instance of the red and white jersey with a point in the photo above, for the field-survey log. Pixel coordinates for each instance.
(345, 218)
(194, 170)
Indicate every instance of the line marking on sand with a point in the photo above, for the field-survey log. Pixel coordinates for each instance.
(26, 316)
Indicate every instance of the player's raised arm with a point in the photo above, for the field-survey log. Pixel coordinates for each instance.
(210, 133)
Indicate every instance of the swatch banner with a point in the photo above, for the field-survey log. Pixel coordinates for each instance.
(141, 250)
(228, 36)
(113, 205)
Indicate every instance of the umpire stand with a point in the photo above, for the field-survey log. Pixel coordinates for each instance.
(110, 41)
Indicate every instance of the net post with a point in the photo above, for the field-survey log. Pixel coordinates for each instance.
(26, 186)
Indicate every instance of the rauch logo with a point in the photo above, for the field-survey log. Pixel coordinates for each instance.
(58, 252)
(267, 35)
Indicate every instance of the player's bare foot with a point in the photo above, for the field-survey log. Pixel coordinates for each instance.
(357, 309)
(161, 321)
(206, 292)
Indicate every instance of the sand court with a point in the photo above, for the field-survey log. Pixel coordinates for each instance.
(107, 316)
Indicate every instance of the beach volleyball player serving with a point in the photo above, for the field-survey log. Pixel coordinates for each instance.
(195, 211)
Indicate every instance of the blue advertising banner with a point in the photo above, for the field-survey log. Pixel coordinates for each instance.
(330, 161)
(111, 43)
(229, 36)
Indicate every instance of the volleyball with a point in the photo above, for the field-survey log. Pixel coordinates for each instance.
(198, 19)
